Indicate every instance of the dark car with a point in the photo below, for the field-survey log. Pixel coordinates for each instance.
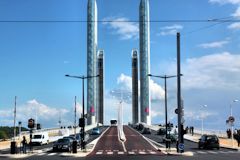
(96, 131)
(161, 131)
(208, 142)
(146, 131)
(63, 144)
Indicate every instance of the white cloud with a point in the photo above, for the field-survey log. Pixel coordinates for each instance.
(217, 44)
(234, 26)
(225, 1)
(170, 30)
(220, 71)
(156, 91)
(155, 113)
(122, 27)
(198, 115)
(237, 13)
(125, 82)
(29, 110)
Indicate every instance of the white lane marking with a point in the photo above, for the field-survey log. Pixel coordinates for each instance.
(224, 152)
(131, 152)
(120, 152)
(153, 152)
(41, 154)
(212, 152)
(201, 152)
(231, 151)
(109, 152)
(99, 153)
(140, 152)
(52, 154)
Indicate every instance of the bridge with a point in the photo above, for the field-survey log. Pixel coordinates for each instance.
(129, 141)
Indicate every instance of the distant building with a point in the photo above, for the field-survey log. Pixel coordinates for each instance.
(144, 37)
(91, 60)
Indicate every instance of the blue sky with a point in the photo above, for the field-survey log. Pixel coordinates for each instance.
(34, 57)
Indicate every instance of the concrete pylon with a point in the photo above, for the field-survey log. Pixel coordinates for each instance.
(144, 37)
(135, 87)
(91, 60)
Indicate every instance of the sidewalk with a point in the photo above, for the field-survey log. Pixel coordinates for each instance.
(224, 142)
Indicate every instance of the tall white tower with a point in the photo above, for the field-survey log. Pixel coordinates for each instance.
(91, 60)
(144, 36)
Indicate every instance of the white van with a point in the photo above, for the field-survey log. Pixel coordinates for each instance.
(40, 138)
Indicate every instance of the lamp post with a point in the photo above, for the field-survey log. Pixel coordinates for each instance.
(203, 106)
(235, 100)
(83, 111)
(165, 77)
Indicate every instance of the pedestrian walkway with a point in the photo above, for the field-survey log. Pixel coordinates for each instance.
(130, 152)
(224, 142)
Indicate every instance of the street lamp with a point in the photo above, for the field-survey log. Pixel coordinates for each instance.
(204, 106)
(165, 77)
(231, 115)
(83, 112)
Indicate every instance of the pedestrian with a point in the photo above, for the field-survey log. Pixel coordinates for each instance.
(24, 145)
(187, 130)
(192, 130)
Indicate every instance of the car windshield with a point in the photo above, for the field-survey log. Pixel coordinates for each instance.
(95, 129)
(37, 136)
(212, 138)
(64, 140)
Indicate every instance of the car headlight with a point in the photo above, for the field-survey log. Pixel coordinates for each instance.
(65, 146)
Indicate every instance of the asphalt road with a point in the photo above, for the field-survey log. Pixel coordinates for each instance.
(110, 148)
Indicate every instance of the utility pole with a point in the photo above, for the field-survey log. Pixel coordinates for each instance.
(15, 111)
(180, 107)
(75, 116)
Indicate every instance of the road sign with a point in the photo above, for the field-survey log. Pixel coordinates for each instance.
(176, 111)
(231, 119)
(181, 146)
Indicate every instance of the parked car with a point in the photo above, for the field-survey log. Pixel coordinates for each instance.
(96, 131)
(63, 144)
(40, 138)
(208, 142)
(146, 131)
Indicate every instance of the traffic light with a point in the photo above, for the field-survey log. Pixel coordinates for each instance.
(81, 122)
(39, 126)
(31, 123)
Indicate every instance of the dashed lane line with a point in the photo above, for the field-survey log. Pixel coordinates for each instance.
(109, 152)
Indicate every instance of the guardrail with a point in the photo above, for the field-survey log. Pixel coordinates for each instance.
(218, 133)
(54, 134)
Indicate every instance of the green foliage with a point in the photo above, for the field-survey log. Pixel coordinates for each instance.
(7, 132)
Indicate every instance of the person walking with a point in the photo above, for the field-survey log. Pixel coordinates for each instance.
(24, 145)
